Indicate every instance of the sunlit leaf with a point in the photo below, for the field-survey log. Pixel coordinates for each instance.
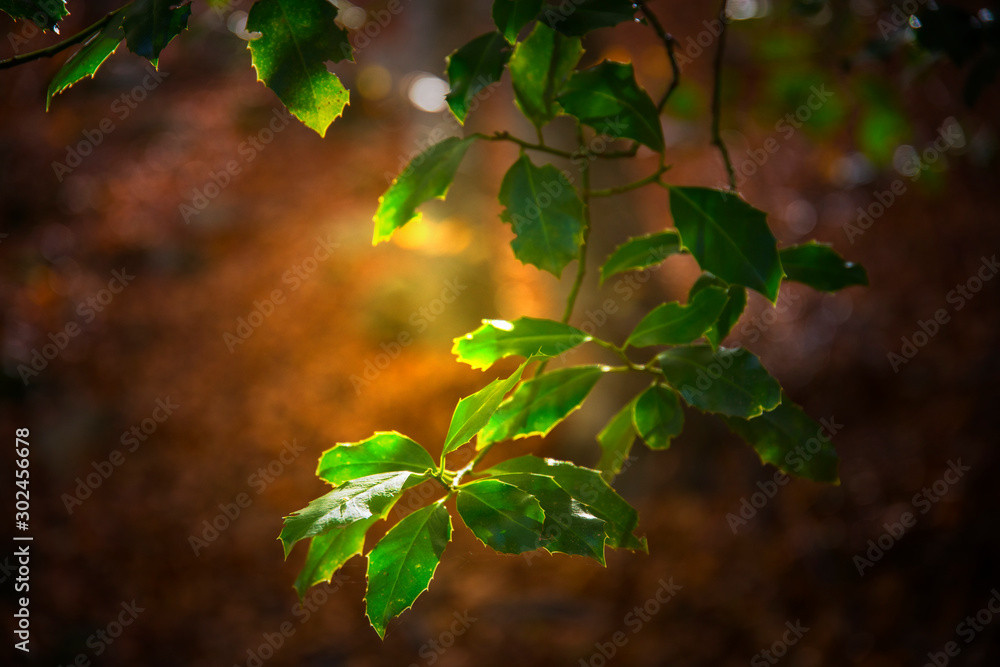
(383, 452)
(641, 252)
(502, 516)
(523, 337)
(474, 412)
(88, 58)
(539, 69)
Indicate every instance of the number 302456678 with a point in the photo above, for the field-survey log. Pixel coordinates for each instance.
(21, 475)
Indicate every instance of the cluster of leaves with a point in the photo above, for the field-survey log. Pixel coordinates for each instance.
(526, 503)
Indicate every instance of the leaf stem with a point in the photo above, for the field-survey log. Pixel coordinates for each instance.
(59, 47)
(472, 464)
(581, 267)
(669, 42)
(527, 145)
(649, 180)
(717, 99)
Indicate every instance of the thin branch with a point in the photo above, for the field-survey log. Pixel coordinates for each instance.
(58, 48)
(717, 99)
(581, 267)
(669, 42)
(527, 145)
(649, 180)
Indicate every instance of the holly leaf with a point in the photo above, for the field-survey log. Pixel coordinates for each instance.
(676, 324)
(582, 16)
(539, 69)
(355, 500)
(539, 404)
(402, 564)
(730, 315)
(151, 24)
(569, 527)
(657, 416)
(616, 440)
(473, 412)
(728, 237)
(728, 381)
(88, 58)
(502, 516)
(587, 487)
(297, 38)
(819, 266)
(474, 67)
(46, 14)
(381, 453)
(641, 252)
(329, 551)
(545, 213)
(510, 16)
(788, 438)
(524, 337)
(607, 98)
(426, 177)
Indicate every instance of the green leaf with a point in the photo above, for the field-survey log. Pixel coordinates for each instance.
(676, 324)
(545, 213)
(298, 38)
(539, 404)
(474, 67)
(729, 381)
(819, 266)
(355, 500)
(510, 16)
(402, 564)
(427, 177)
(581, 16)
(329, 551)
(383, 452)
(641, 252)
(789, 439)
(539, 69)
(730, 314)
(523, 337)
(607, 98)
(588, 488)
(616, 440)
(502, 516)
(88, 58)
(728, 237)
(473, 412)
(151, 24)
(569, 527)
(44, 13)
(658, 416)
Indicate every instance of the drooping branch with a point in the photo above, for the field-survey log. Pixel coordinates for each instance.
(669, 43)
(59, 47)
(717, 98)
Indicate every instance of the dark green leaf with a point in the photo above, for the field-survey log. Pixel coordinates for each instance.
(819, 266)
(789, 439)
(728, 237)
(658, 416)
(729, 381)
(616, 440)
(402, 564)
(641, 252)
(587, 487)
(473, 412)
(44, 13)
(474, 67)
(355, 500)
(426, 177)
(151, 24)
(581, 16)
(502, 516)
(383, 452)
(569, 527)
(329, 551)
(545, 213)
(298, 38)
(90, 56)
(730, 314)
(512, 15)
(607, 98)
(539, 69)
(523, 337)
(676, 324)
(539, 404)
